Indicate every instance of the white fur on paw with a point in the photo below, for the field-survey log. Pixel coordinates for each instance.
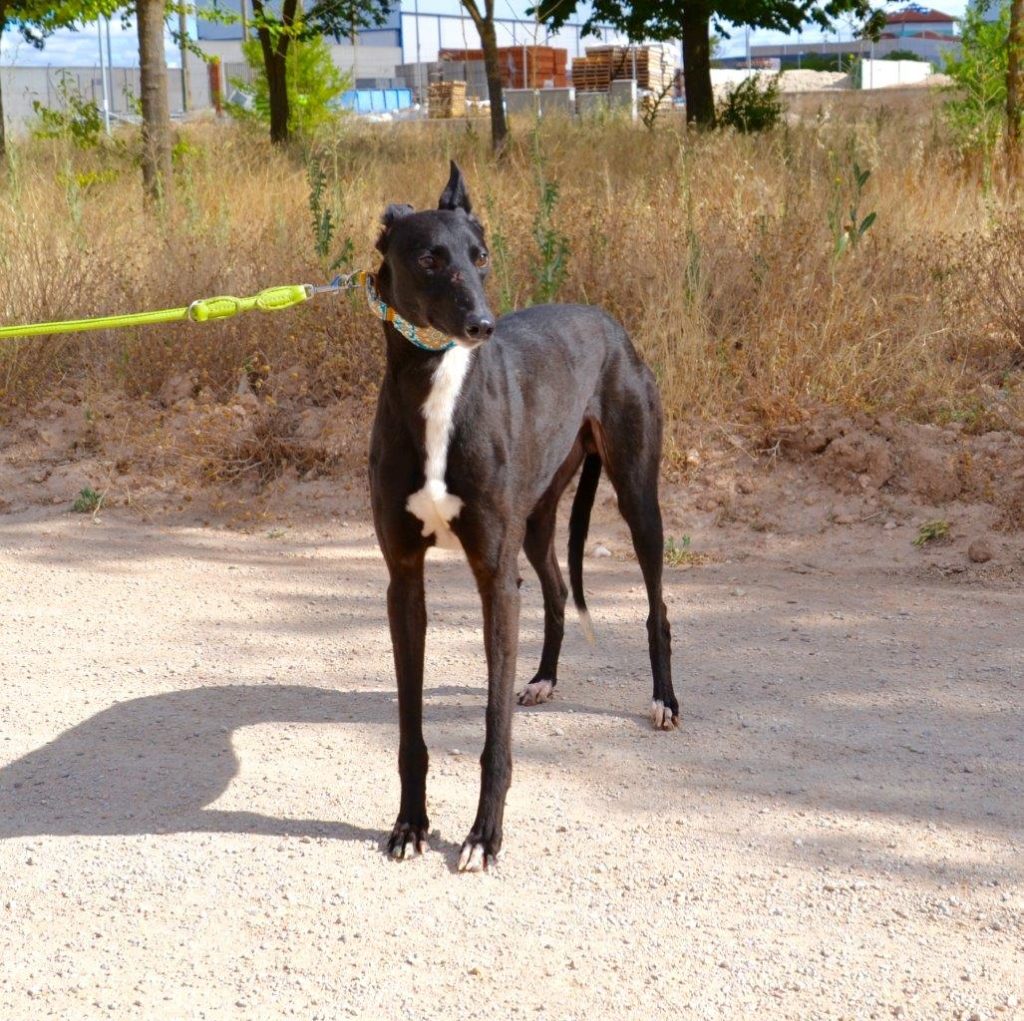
(412, 847)
(536, 692)
(661, 716)
(473, 858)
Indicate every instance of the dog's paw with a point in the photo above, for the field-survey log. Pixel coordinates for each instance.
(537, 692)
(477, 855)
(664, 717)
(407, 841)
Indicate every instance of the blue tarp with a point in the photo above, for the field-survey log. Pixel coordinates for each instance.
(375, 100)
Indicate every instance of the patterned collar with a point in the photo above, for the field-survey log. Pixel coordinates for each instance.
(426, 338)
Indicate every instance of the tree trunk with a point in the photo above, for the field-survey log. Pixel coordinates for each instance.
(492, 67)
(700, 99)
(156, 114)
(1015, 84)
(275, 66)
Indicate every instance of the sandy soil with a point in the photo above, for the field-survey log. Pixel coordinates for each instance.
(197, 745)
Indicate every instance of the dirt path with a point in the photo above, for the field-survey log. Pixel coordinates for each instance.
(197, 743)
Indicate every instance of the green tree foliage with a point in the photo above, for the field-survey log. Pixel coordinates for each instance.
(279, 25)
(313, 82)
(692, 21)
(978, 94)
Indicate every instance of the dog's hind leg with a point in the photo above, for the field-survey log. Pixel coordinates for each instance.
(643, 515)
(539, 546)
(632, 458)
(407, 616)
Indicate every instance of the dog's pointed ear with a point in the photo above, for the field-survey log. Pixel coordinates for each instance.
(393, 212)
(455, 194)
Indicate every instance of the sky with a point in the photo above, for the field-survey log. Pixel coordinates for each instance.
(67, 48)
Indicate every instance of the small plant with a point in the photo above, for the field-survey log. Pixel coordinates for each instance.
(977, 105)
(750, 106)
(551, 269)
(76, 118)
(849, 231)
(501, 261)
(931, 531)
(650, 106)
(88, 501)
(325, 218)
(678, 555)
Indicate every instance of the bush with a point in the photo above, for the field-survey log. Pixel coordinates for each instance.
(979, 77)
(752, 106)
(821, 62)
(314, 84)
(903, 55)
(76, 118)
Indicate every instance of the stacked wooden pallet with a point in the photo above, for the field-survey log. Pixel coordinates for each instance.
(446, 99)
(591, 74)
(655, 67)
(522, 67)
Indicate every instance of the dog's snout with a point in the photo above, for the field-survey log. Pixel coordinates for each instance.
(479, 327)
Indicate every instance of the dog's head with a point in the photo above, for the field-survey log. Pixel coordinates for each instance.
(435, 265)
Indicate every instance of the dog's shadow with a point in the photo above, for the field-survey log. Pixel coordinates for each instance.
(153, 764)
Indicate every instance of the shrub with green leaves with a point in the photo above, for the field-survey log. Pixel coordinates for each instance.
(75, 118)
(978, 104)
(314, 86)
(751, 106)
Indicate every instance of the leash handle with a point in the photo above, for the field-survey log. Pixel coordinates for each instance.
(272, 299)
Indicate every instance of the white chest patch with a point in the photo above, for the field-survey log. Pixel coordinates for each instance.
(433, 504)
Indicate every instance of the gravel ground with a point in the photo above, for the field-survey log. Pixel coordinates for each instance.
(197, 745)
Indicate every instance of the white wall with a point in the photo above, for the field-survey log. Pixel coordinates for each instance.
(881, 74)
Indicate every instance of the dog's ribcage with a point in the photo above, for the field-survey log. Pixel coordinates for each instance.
(433, 504)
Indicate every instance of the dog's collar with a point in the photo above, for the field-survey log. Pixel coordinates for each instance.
(426, 338)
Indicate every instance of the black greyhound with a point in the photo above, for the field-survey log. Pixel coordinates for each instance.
(473, 446)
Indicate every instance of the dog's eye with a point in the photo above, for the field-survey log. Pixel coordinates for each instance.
(428, 261)
(482, 259)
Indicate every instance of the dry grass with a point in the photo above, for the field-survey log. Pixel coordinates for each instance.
(716, 252)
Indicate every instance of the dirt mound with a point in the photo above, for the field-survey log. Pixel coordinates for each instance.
(279, 446)
(932, 466)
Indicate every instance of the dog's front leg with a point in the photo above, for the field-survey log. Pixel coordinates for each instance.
(499, 592)
(407, 615)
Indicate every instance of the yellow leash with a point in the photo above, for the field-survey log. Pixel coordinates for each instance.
(272, 299)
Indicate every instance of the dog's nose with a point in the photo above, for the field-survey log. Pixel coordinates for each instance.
(478, 327)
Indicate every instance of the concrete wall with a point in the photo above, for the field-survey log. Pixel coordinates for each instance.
(881, 74)
(22, 85)
(362, 62)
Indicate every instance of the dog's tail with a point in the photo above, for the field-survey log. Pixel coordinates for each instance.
(579, 525)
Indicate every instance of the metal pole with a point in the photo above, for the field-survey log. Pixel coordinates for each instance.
(103, 76)
(245, 21)
(419, 68)
(110, 62)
